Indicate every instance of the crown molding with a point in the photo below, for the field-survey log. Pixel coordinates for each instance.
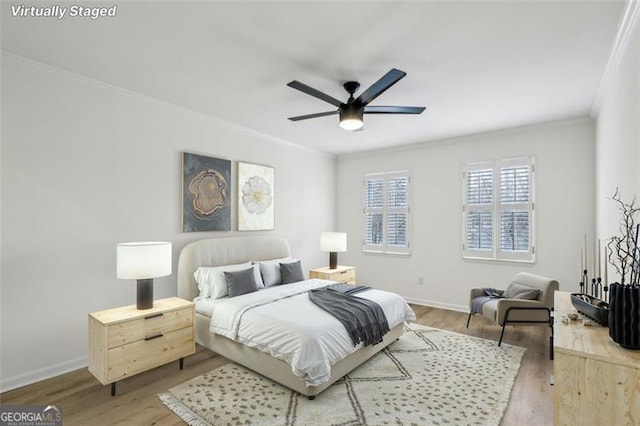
(628, 23)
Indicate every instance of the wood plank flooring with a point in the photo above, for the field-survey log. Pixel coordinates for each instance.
(85, 401)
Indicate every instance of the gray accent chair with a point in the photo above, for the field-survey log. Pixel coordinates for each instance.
(519, 311)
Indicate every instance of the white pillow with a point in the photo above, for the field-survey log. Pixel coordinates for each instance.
(212, 283)
(270, 270)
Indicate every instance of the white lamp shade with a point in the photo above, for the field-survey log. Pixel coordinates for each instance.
(333, 241)
(143, 260)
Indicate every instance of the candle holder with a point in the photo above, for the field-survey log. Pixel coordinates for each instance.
(591, 307)
(599, 288)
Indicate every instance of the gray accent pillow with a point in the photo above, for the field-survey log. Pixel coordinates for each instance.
(520, 291)
(270, 271)
(291, 272)
(240, 282)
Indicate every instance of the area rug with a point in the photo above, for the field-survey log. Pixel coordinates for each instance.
(427, 377)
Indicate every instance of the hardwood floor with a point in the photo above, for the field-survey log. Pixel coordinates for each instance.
(85, 401)
(532, 395)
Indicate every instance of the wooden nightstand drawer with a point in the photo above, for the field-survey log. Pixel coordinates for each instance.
(341, 274)
(344, 276)
(151, 325)
(127, 360)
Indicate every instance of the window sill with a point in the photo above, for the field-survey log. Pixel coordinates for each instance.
(390, 253)
(491, 259)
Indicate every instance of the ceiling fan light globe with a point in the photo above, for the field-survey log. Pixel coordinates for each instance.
(351, 124)
(351, 118)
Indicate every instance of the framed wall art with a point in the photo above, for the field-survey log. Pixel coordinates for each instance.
(206, 193)
(256, 197)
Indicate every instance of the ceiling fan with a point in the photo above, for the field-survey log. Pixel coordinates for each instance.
(351, 113)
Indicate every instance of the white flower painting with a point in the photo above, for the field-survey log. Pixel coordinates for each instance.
(255, 197)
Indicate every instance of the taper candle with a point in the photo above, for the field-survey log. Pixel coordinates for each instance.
(585, 252)
(606, 269)
(599, 259)
(594, 270)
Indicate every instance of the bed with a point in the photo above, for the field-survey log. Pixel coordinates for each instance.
(236, 250)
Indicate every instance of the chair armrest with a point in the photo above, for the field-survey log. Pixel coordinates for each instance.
(539, 314)
(477, 292)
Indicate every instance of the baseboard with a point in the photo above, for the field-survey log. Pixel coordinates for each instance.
(32, 377)
(441, 305)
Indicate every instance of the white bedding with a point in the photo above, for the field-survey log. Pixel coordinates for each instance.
(283, 322)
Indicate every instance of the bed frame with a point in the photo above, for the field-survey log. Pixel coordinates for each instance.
(227, 251)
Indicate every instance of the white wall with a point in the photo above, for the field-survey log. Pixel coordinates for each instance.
(564, 154)
(618, 136)
(85, 166)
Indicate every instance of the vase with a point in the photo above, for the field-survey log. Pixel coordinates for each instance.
(624, 315)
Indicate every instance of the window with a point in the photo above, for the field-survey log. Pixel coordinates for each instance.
(498, 210)
(386, 212)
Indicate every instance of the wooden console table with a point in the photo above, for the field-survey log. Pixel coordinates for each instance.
(596, 382)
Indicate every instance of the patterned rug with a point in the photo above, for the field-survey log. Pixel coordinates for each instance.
(427, 377)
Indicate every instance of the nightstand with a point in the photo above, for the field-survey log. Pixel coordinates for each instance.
(126, 341)
(342, 274)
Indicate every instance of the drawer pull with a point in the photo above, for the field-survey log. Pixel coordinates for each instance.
(343, 272)
(153, 337)
(154, 316)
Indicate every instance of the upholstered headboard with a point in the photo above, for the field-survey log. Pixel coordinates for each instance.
(224, 251)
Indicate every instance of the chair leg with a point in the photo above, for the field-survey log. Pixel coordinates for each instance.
(469, 319)
(502, 333)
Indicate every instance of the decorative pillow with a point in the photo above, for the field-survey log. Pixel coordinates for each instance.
(520, 291)
(270, 270)
(291, 272)
(241, 282)
(211, 280)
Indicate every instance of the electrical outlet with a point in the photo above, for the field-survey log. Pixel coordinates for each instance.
(420, 281)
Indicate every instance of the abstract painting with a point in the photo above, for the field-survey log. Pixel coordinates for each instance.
(206, 193)
(256, 201)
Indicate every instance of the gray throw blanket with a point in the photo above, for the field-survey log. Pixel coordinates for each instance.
(478, 302)
(364, 319)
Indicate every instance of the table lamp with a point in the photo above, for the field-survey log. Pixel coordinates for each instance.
(333, 242)
(143, 261)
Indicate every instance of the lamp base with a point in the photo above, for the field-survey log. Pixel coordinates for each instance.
(333, 260)
(145, 294)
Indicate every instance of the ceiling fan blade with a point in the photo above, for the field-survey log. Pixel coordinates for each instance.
(314, 92)
(393, 110)
(316, 115)
(386, 81)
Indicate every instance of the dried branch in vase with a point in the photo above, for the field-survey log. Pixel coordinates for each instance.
(624, 253)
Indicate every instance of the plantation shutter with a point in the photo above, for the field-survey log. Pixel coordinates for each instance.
(516, 209)
(386, 212)
(374, 211)
(478, 210)
(397, 210)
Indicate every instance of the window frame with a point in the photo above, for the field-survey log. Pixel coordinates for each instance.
(386, 210)
(497, 207)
